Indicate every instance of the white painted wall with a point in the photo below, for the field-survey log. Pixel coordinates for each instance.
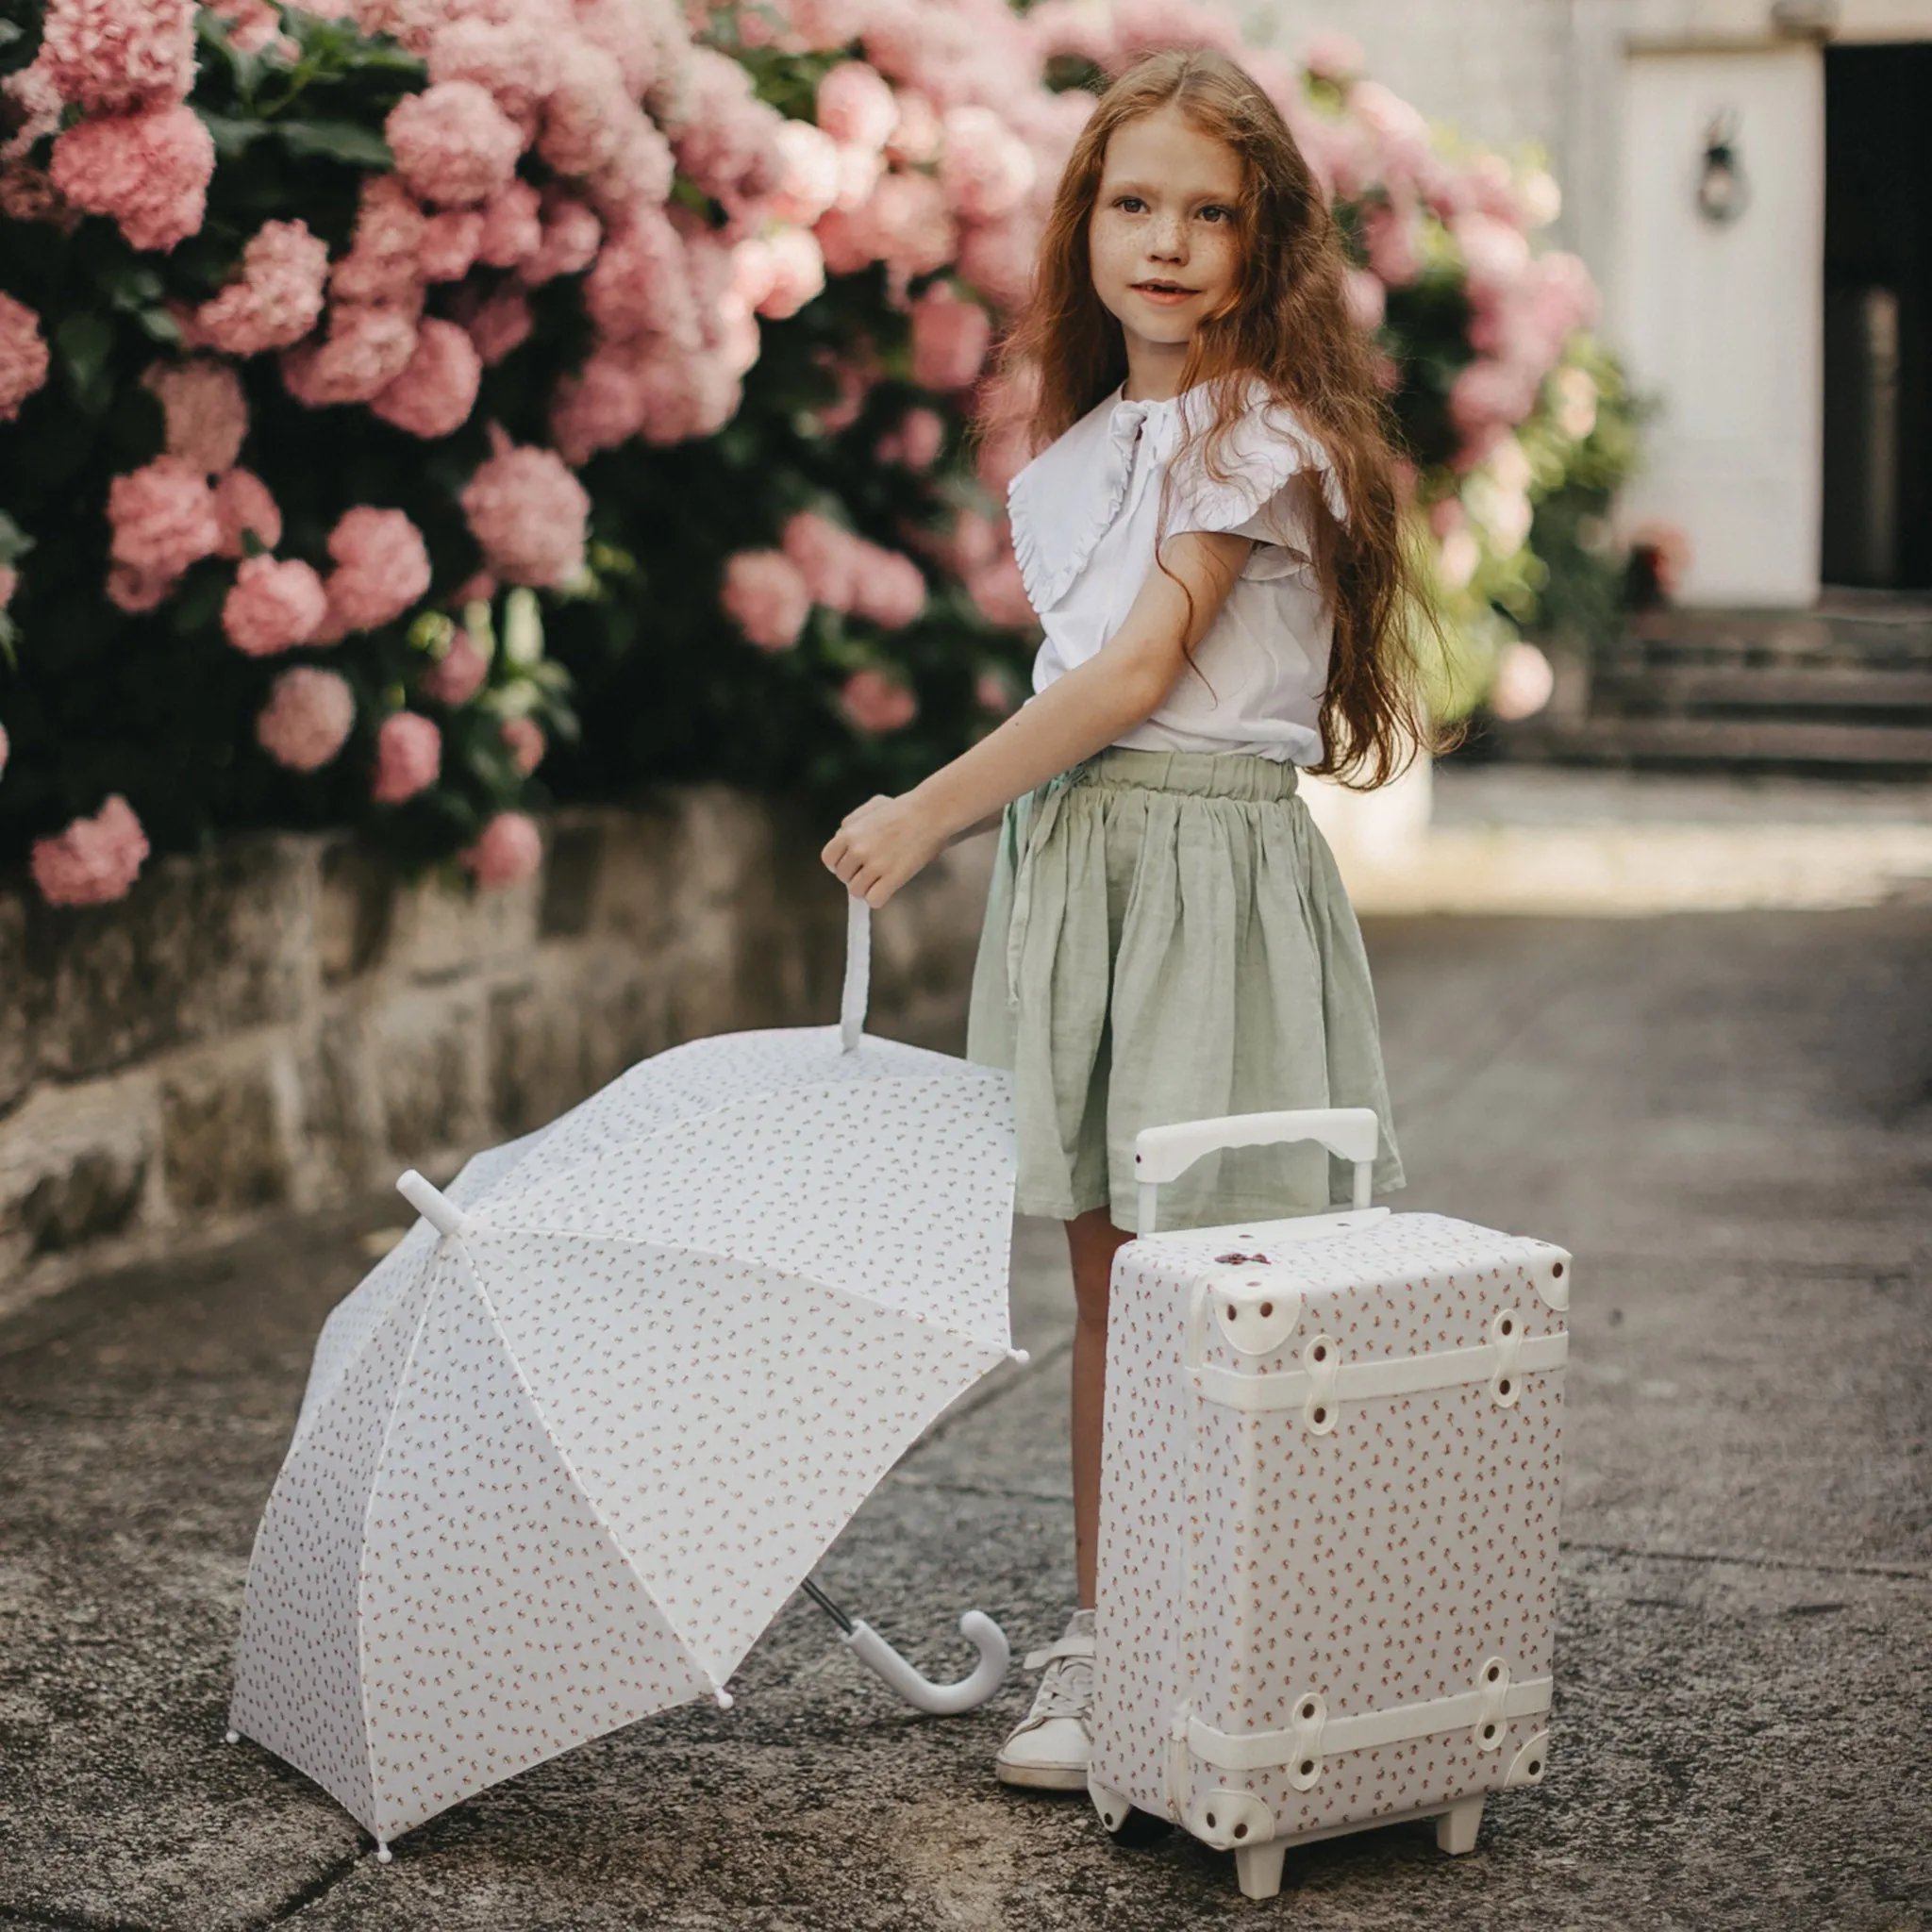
(1723, 325)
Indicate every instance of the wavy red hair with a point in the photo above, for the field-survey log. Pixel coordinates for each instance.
(1287, 324)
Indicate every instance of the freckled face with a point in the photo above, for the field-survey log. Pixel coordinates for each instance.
(1162, 236)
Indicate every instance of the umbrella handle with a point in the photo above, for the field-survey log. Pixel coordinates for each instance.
(941, 1700)
(853, 1000)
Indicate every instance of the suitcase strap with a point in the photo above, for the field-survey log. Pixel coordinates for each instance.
(1325, 1381)
(1484, 1712)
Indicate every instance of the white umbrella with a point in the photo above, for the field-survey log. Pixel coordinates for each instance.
(572, 1444)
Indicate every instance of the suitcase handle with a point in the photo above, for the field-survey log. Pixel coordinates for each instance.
(1161, 1153)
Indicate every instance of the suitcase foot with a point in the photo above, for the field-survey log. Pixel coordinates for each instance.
(1258, 1868)
(1114, 1809)
(1456, 1827)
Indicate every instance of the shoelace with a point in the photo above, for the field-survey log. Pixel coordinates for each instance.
(1066, 1689)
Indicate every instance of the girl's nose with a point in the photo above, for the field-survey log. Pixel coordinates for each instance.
(1168, 238)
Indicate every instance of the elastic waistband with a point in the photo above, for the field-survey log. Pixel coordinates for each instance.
(1235, 774)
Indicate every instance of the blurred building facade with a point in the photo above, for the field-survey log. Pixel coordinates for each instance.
(1751, 182)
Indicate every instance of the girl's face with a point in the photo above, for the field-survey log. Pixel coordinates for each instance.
(1163, 238)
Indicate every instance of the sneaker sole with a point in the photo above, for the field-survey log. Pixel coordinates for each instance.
(1041, 1777)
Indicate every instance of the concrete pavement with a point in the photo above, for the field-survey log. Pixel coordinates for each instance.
(1729, 1119)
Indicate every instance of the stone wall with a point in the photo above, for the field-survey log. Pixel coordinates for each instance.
(282, 1026)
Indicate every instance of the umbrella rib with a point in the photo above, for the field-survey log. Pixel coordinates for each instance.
(583, 1489)
(389, 1429)
(784, 1273)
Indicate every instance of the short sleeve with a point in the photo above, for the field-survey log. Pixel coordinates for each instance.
(1263, 483)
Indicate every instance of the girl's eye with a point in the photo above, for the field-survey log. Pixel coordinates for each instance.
(1215, 211)
(1131, 203)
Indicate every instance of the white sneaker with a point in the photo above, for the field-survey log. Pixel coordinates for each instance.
(1049, 1749)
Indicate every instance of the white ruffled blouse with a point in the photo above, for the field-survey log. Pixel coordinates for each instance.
(1084, 515)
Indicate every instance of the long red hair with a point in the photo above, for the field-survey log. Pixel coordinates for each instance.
(1287, 324)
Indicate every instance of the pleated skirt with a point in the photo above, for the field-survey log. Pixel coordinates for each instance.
(1167, 938)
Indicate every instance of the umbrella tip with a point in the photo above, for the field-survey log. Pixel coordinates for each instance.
(231, 1737)
(432, 1203)
(724, 1698)
(1019, 1356)
(383, 1853)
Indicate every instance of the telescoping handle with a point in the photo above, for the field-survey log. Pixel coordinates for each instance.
(1163, 1153)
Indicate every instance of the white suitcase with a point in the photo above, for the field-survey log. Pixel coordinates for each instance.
(1331, 1474)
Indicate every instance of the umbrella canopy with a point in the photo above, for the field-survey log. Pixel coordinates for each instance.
(574, 1442)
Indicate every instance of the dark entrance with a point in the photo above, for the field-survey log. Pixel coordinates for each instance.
(1879, 317)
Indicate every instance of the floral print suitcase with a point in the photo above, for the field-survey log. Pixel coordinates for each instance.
(1331, 1474)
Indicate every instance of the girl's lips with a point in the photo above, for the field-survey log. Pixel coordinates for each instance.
(1168, 298)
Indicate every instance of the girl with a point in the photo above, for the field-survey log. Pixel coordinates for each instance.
(1211, 542)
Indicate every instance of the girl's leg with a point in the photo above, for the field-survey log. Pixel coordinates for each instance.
(1092, 1240)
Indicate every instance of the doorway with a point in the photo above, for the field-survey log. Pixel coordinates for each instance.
(1877, 499)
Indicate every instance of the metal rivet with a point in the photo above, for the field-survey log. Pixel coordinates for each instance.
(1210, 1821)
(1557, 1269)
(1321, 1415)
(1267, 1309)
(1503, 1386)
(1536, 1765)
(1308, 1768)
(1239, 1830)
(1233, 1315)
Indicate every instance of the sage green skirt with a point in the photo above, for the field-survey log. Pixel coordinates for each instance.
(1167, 938)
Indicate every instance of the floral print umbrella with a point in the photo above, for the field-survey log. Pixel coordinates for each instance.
(574, 1442)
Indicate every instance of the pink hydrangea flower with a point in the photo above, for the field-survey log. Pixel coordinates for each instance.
(876, 703)
(1336, 57)
(887, 588)
(586, 112)
(385, 261)
(917, 442)
(457, 675)
(527, 513)
(9, 582)
(765, 595)
(366, 350)
(641, 283)
(523, 739)
(434, 396)
(635, 37)
(273, 606)
(571, 236)
(382, 568)
(992, 692)
(276, 299)
(207, 413)
(515, 59)
(807, 172)
(512, 226)
(252, 26)
(111, 56)
(781, 273)
(23, 355)
(907, 225)
(3, 750)
(600, 406)
(987, 170)
(511, 849)
(1368, 299)
(136, 590)
(306, 719)
(826, 556)
(450, 241)
(917, 141)
(999, 593)
(94, 860)
(640, 173)
(726, 137)
(408, 758)
(244, 505)
(856, 107)
(998, 258)
(950, 339)
(499, 325)
(163, 518)
(1524, 682)
(453, 145)
(1394, 245)
(149, 171)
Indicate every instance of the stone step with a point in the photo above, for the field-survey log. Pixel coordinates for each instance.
(1619, 690)
(1892, 633)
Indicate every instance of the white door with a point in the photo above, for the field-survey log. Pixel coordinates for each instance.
(1722, 321)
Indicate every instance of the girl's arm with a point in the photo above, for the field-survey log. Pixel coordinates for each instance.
(881, 845)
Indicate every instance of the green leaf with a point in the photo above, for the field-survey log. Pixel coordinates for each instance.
(85, 341)
(336, 140)
(160, 326)
(232, 137)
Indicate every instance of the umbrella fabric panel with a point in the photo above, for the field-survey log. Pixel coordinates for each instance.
(689, 1081)
(298, 1676)
(502, 1623)
(725, 1419)
(899, 1190)
(357, 1316)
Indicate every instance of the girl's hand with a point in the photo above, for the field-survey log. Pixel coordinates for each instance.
(879, 846)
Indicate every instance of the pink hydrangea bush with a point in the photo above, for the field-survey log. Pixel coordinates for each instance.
(408, 758)
(273, 606)
(529, 514)
(766, 596)
(382, 569)
(23, 355)
(509, 851)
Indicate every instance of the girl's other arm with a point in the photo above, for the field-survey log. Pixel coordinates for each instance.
(880, 846)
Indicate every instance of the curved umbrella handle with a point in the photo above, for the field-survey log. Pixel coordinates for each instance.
(941, 1700)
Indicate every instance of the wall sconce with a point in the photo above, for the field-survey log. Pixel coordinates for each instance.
(1723, 192)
